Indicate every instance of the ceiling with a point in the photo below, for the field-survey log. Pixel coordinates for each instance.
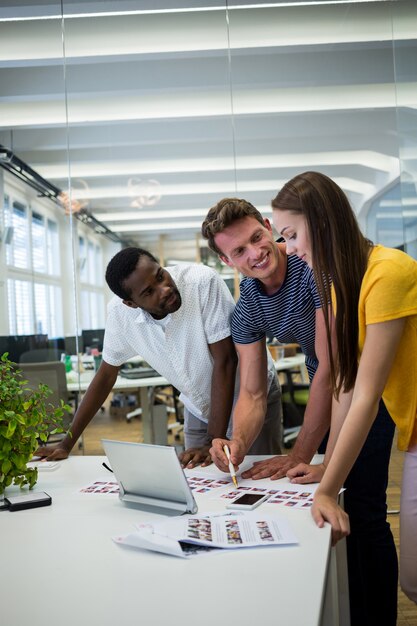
(148, 114)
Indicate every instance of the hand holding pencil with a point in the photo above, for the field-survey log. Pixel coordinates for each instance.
(231, 466)
(219, 456)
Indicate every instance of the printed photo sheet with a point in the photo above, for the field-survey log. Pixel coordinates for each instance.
(204, 482)
(280, 492)
(103, 486)
(184, 536)
(295, 496)
(199, 482)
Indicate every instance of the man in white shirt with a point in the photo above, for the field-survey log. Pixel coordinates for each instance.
(178, 320)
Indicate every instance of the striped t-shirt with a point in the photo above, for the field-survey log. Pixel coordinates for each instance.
(289, 314)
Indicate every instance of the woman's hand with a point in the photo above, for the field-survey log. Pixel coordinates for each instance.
(326, 509)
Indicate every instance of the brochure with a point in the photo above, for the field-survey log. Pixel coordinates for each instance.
(189, 535)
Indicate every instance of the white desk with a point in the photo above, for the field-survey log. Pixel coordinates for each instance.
(121, 382)
(59, 565)
(146, 387)
(292, 362)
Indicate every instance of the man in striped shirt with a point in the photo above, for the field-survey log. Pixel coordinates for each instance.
(278, 296)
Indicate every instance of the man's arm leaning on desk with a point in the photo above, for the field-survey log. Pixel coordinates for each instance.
(316, 418)
(250, 409)
(222, 390)
(96, 394)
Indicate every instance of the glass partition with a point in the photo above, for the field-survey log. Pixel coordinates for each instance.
(392, 216)
(37, 290)
(314, 89)
(123, 122)
(150, 133)
(405, 55)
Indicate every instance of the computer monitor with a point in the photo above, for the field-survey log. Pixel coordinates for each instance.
(93, 339)
(56, 343)
(4, 345)
(71, 346)
(16, 345)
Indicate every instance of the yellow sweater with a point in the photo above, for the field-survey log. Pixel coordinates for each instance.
(388, 292)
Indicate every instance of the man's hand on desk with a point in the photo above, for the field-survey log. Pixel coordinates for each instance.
(303, 473)
(53, 452)
(237, 453)
(196, 456)
(275, 468)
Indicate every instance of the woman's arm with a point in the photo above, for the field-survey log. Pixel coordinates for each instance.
(340, 409)
(381, 344)
(304, 473)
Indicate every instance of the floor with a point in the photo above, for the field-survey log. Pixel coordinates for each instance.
(407, 610)
(105, 425)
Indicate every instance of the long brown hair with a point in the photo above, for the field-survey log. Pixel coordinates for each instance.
(339, 256)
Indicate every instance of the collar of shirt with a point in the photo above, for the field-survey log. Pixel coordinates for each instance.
(143, 317)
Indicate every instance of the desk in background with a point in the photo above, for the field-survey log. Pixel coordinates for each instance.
(145, 387)
(291, 410)
(60, 565)
(291, 363)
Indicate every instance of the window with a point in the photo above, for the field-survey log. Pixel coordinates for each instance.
(82, 254)
(45, 245)
(35, 270)
(6, 211)
(43, 240)
(20, 307)
(34, 293)
(91, 264)
(48, 310)
(92, 309)
(38, 243)
(91, 276)
(52, 247)
(99, 266)
(17, 251)
(42, 310)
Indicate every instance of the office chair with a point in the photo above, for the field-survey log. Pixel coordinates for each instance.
(179, 414)
(50, 373)
(294, 401)
(40, 355)
(169, 396)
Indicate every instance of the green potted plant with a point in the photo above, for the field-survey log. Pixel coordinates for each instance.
(26, 418)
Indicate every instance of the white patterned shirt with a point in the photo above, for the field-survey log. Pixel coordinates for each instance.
(180, 350)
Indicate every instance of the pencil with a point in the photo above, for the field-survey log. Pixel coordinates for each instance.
(231, 468)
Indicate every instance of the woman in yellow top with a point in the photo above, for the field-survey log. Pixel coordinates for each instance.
(374, 290)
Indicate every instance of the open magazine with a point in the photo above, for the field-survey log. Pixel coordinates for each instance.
(189, 535)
